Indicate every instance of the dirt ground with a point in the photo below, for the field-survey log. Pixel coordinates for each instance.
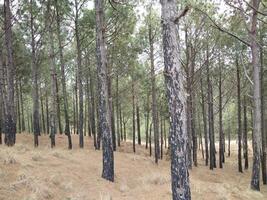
(28, 173)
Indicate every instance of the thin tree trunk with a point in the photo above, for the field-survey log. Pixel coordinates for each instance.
(154, 95)
(245, 136)
(210, 110)
(138, 124)
(35, 92)
(239, 133)
(117, 111)
(92, 114)
(147, 120)
(53, 107)
(58, 109)
(150, 139)
(204, 112)
(63, 78)
(108, 158)
(133, 104)
(22, 108)
(221, 151)
(79, 75)
(43, 117)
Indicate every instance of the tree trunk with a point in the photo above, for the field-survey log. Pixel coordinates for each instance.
(133, 102)
(154, 95)
(35, 92)
(147, 120)
(150, 139)
(263, 136)
(43, 117)
(79, 75)
(63, 78)
(210, 114)
(138, 124)
(221, 151)
(245, 134)
(176, 95)
(117, 111)
(22, 108)
(239, 133)
(10, 124)
(204, 112)
(108, 158)
(92, 114)
(53, 105)
(2, 98)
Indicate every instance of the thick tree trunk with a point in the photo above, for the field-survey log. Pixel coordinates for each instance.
(176, 95)
(108, 158)
(255, 180)
(263, 136)
(10, 122)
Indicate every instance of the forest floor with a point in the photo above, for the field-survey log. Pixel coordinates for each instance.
(28, 173)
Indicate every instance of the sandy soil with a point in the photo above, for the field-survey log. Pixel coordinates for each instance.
(28, 173)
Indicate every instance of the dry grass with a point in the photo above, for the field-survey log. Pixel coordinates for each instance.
(42, 173)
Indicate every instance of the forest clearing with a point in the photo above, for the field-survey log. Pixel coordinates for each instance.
(41, 173)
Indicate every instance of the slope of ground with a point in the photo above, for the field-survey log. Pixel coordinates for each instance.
(28, 173)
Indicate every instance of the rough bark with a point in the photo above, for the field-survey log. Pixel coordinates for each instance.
(101, 52)
(10, 122)
(176, 95)
(255, 179)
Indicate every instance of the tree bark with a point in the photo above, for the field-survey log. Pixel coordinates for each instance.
(101, 52)
(79, 74)
(63, 78)
(53, 105)
(154, 95)
(245, 134)
(255, 179)
(10, 123)
(176, 95)
(239, 133)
